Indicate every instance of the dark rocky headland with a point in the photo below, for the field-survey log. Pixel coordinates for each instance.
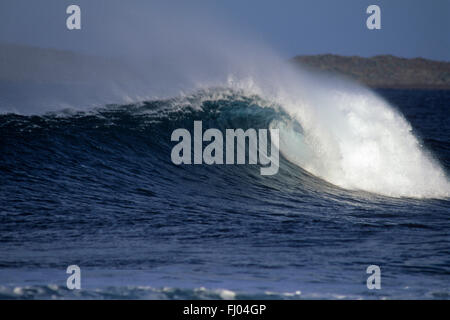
(383, 71)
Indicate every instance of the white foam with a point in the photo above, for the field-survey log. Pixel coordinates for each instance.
(351, 137)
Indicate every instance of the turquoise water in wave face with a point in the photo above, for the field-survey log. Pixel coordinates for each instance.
(99, 190)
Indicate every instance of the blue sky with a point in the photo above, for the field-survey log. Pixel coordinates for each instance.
(410, 28)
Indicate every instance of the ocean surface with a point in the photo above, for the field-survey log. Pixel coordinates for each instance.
(98, 189)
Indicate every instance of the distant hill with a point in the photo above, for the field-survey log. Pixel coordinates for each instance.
(383, 71)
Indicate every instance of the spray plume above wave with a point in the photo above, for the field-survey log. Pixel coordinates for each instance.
(337, 130)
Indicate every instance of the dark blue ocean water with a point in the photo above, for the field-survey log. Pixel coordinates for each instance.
(98, 189)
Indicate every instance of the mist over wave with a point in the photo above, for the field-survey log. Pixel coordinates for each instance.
(348, 135)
